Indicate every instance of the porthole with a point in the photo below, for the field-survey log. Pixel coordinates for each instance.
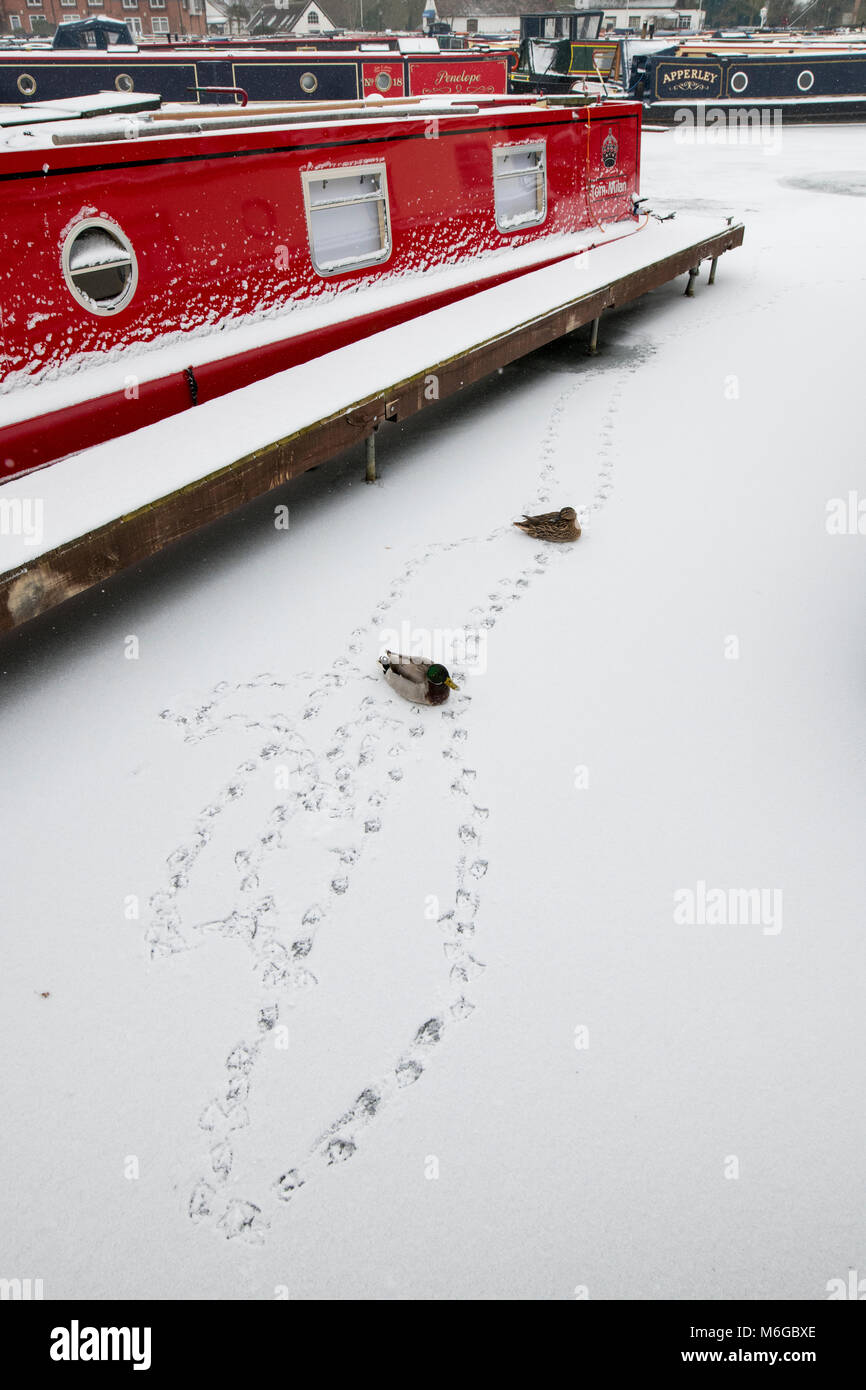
(383, 81)
(739, 82)
(309, 82)
(99, 266)
(806, 80)
(123, 82)
(26, 84)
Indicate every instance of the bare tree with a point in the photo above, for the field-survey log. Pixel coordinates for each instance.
(237, 15)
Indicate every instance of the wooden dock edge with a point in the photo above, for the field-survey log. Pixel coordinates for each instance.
(35, 588)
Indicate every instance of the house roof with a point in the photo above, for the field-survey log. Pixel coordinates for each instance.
(267, 19)
(490, 9)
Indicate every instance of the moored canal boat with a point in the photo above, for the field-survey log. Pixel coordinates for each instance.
(160, 259)
(804, 79)
(560, 51)
(240, 72)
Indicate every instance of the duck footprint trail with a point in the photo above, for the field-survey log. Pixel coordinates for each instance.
(336, 788)
(336, 801)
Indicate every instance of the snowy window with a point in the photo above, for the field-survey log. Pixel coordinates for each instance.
(519, 186)
(312, 17)
(99, 266)
(347, 217)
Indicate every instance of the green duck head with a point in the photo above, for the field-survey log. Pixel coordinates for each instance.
(438, 675)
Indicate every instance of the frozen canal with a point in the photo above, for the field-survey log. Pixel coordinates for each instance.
(557, 991)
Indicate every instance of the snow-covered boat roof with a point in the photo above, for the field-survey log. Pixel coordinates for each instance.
(123, 116)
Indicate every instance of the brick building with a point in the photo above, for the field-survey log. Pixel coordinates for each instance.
(146, 18)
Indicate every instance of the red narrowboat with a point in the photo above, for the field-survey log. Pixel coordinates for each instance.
(158, 259)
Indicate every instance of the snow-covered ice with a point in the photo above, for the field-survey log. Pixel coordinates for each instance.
(309, 990)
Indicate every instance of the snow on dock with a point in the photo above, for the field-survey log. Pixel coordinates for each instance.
(309, 991)
(93, 505)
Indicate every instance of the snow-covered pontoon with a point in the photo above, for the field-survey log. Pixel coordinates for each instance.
(200, 305)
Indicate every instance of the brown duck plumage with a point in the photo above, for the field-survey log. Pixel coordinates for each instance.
(417, 679)
(552, 526)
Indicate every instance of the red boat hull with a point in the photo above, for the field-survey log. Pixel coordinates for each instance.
(220, 234)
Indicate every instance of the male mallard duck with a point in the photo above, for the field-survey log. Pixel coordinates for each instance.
(552, 526)
(415, 678)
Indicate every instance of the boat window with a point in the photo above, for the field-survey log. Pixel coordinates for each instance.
(309, 82)
(519, 186)
(347, 217)
(99, 266)
(26, 84)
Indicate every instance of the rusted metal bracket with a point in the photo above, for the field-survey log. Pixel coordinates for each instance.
(368, 416)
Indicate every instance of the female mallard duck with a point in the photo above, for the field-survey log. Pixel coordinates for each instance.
(552, 526)
(415, 678)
